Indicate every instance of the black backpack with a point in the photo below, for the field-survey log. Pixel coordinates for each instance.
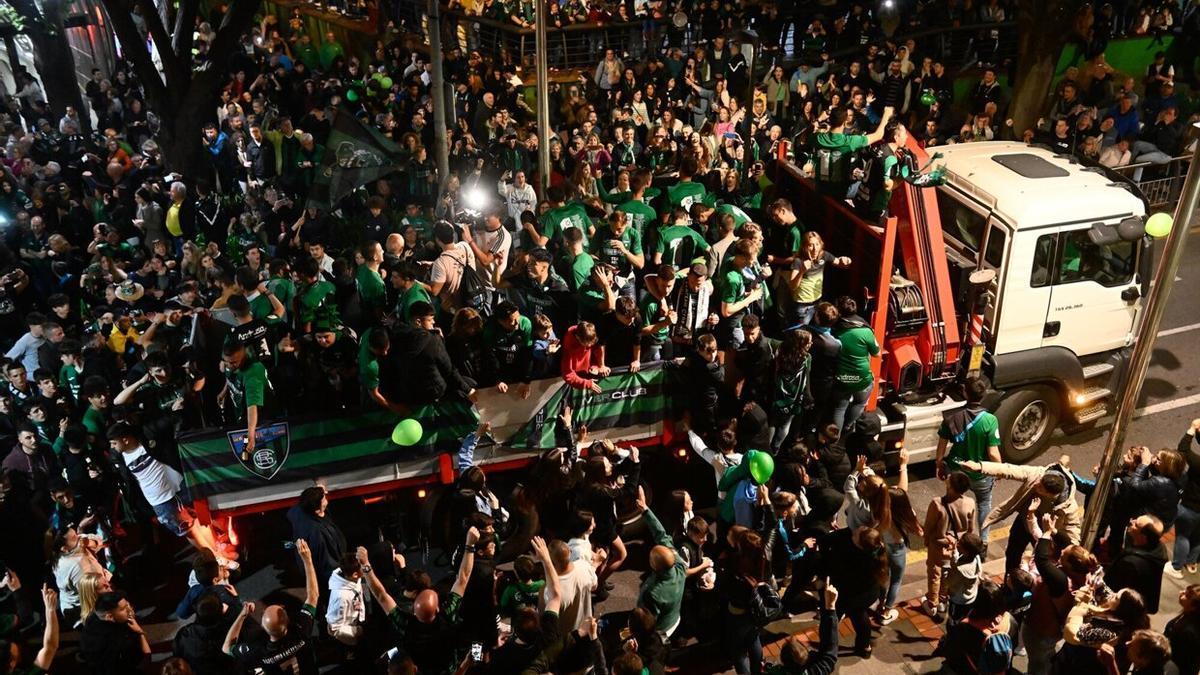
(472, 292)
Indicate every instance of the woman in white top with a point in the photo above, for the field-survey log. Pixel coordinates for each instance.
(71, 557)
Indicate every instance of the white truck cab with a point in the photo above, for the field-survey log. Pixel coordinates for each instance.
(1067, 248)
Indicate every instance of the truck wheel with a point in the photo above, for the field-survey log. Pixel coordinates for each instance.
(1028, 418)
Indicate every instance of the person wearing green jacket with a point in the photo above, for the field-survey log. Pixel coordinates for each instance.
(662, 592)
(853, 379)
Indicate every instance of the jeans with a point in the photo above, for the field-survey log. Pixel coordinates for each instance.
(1144, 151)
(783, 427)
(849, 407)
(802, 313)
(1187, 538)
(1019, 539)
(982, 489)
(897, 558)
(1040, 650)
(743, 643)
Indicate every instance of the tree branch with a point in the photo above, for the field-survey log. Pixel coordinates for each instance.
(238, 18)
(170, 59)
(185, 19)
(137, 53)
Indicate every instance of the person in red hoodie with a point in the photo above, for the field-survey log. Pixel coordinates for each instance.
(580, 362)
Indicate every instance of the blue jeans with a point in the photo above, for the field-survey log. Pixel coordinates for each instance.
(897, 559)
(849, 408)
(802, 313)
(982, 489)
(174, 516)
(743, 644)
(783, 427)
(1187, 538)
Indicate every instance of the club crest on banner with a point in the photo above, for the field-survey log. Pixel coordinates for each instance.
(269, 453)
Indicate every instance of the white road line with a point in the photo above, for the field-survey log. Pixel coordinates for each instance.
(1167, 405)
(1180, 329)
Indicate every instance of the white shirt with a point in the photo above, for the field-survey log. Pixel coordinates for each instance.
(159, 482)
(576, 587)
(497, 243)
(518, 199)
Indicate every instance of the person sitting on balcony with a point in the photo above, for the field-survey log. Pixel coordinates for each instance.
(1160, 142)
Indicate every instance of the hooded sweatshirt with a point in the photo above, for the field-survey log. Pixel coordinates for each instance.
(346, 606)
(417, 369)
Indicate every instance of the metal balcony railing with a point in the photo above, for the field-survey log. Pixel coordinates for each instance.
(1159, 183)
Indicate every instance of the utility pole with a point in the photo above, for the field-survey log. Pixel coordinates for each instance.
(1156, 305)
(543, 100)
(439, 95)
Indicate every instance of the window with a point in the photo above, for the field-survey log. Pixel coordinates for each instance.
(960, 222)
(1043, 261)
(995, 248)
(1082, 260)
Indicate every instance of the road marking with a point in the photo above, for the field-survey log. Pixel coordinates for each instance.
(1180, 329)
(1167, 405)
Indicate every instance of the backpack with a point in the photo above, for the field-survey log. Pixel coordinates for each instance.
(472, 292)
(765, 604)
(831, 166)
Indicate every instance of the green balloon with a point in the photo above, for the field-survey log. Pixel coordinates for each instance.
(1159, 225)
(385, 82)
(377, 75)
(927, 98)
(762, 466)
(407, 432)
(351, 95)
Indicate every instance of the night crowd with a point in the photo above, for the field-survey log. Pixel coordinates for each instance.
(137, 303)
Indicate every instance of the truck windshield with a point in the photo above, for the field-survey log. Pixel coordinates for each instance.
(960, 222)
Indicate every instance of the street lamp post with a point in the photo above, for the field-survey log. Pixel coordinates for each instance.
(543, 100)
(1139, 361)
(442, 156)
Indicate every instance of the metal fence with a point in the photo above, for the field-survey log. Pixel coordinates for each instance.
(1159, 183)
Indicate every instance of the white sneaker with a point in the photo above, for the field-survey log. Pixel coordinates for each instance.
(1170, 571)
(1191, 569)
(231, 565)
(889, 616)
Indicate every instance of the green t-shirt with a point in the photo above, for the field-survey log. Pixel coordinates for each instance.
(415, 293)
(686, 193)
(316, 301)
(368, 364)
(973, 442)
(95, 421)
(654, 310)
(739, 216)
(370, 288)
(640, 215)
(832, 160)
(854, 360)
(731, 288)
(283, 290)
(518, 595)
(577, 270)
(605, 252)
(555, 221)
(248, 386)
(260, 307)
(679, 245)
(68, 379)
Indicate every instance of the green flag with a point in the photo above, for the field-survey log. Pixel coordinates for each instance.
(355, 154)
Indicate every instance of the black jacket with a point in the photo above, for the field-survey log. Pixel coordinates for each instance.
(1147, 492)
(1191, 480)
(418, 370)
(109, 648)
(1140, 569)
(200, 646)
(324, 539)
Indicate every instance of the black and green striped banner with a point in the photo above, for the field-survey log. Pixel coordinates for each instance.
(322, 447)
(315, 448)
(625, 400)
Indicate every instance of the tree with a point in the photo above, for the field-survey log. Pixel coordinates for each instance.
(1041, 27)
(42, 21)
(184, 97)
